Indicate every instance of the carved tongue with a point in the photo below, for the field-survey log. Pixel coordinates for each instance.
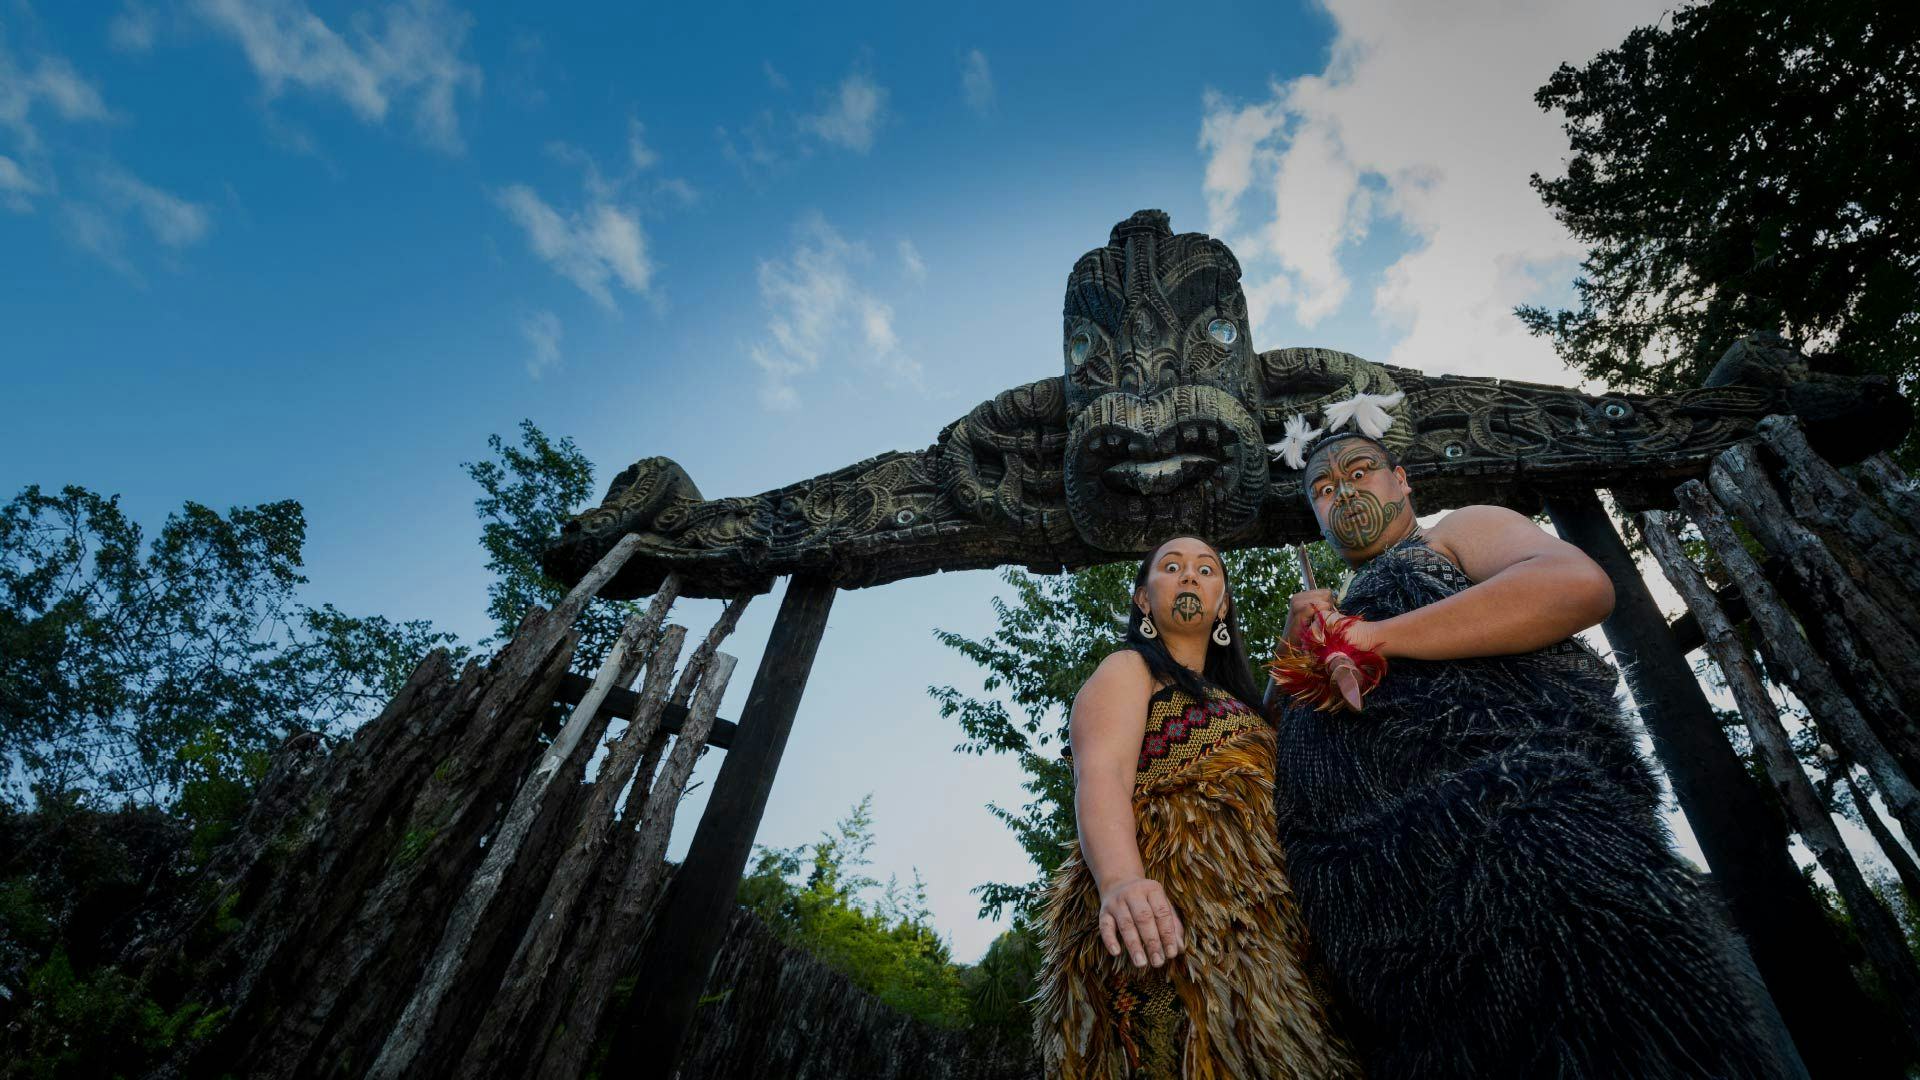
(1160, 477)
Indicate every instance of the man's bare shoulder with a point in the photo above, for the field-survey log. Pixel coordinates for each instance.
(1484, 540)
(1471, 520)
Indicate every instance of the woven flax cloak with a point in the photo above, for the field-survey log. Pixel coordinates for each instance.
(1204, 817)
(1481, 862)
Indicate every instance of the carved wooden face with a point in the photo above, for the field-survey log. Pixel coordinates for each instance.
(1162, 390)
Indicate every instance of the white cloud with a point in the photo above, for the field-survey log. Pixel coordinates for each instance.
(173, 221)
(133, 28)
(638, 152)
(853, 114)
(599, 245)
(95, 232)
(411, 52)
(51, 83)
(15, 186)
(1425, 115)
(911, 263)
(679, 190)
(976, 82)
(543, 331)
(816, 307)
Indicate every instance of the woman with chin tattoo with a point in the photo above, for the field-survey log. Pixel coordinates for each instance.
(1173, 944)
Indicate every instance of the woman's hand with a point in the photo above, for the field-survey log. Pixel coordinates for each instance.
(1302, 605)
(1136, 912)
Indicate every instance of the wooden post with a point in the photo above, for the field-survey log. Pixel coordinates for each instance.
(1742, 837)
(635, 643)
(1879, 932)
(693, 916)
(1834, 714)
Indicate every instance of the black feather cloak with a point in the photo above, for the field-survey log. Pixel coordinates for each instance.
(1482, 864)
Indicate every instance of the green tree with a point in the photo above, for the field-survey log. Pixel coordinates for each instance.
(169, 670)
(886, 943)
(1050, 637)
(527, 492)
(1746, 165)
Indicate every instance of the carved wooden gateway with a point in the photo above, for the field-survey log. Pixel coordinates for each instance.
(1159, 424)
(503, 917)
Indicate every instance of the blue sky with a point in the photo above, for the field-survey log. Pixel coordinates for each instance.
(266, 250)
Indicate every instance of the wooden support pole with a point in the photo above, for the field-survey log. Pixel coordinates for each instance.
(693, 915)
(1879, 932)
(1884, 556)
(1834, 713)
(1903, 864)
(1895, 489)
(630, 651)
(1742, 837)
(1874, 653)
(568, 1051)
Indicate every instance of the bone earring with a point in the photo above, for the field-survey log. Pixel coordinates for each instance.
(1220, 635)
(1147, 629)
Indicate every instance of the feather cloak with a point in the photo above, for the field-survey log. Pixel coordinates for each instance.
(1207, 836)
(1481, 862)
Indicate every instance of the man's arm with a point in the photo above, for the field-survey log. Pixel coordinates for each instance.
(1532, 590)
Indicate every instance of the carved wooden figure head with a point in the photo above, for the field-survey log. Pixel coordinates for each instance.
(1162, 389)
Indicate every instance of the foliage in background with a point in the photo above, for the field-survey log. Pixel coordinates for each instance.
(167, 671)
(1746, 166)
(1050, 637)
(526, 493)
(77, 886)
(816, 898)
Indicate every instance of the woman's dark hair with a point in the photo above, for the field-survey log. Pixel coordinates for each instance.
(1226, 666)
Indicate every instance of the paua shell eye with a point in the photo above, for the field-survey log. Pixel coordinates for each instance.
(1454, 450)
(1615, 410)
(1223, 331)
(1078, 347)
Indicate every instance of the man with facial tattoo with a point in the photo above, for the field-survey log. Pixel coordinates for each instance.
(1479, 852)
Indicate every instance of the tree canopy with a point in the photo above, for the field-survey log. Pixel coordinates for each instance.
(168, 670)
(1744, 165)
(527, 492)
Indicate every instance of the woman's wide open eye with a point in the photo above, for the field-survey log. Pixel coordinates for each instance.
(1206, 571)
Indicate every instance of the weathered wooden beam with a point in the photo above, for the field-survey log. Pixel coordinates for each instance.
(1741, 836)
(541, 944)
(1878, 930)
(1873, 652)
(1883, 557)
(630, 651)
(1686, 629)
(1903, 864)
(1895, 488)
(613, 950)
(623, 704)
(686, 931)
(1834, 713)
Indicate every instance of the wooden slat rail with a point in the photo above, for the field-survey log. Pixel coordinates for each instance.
(621, 704)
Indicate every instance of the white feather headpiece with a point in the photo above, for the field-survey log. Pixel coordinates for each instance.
(1292, 447)
(1366, 412)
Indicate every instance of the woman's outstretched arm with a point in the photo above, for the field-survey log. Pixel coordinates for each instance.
(1108, 715)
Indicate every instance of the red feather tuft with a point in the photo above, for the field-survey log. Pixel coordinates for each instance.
(1302, 672)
